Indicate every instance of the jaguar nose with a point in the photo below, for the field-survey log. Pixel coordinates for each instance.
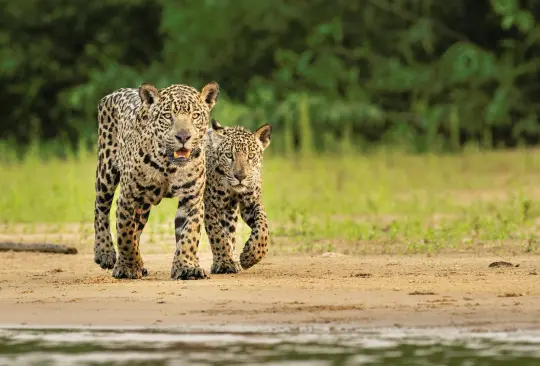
(240, 176)
(183, 136)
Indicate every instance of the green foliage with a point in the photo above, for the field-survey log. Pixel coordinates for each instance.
(385, 202)
(49, 49)
(421, 74)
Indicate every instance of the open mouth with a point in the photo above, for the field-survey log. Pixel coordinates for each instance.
(181, 156)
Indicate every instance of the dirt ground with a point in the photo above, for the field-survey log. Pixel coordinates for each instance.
(441, 290)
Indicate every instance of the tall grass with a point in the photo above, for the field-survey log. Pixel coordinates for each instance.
(381, 200)
(348, 201)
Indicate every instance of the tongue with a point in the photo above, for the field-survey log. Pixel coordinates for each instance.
(181, 154)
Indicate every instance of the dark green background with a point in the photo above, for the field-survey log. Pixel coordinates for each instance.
(424, 74)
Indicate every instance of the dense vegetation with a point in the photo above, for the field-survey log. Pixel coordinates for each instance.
(423, 74)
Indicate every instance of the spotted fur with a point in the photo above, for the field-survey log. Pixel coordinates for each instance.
(151, 142)
(233, 183)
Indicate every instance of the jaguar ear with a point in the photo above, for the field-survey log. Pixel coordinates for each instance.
(209, 94)
(216, 133)
(263, 134)
(149, 94)
(216, 126)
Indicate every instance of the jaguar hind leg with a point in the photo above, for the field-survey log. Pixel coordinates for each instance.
(107, 179)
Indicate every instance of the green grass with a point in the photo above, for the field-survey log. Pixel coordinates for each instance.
(381, 202)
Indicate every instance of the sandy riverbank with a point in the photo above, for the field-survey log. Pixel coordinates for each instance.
(443, 290)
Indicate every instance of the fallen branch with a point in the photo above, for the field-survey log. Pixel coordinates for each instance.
(37, 247)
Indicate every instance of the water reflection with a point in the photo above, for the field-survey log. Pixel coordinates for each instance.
(312, 345)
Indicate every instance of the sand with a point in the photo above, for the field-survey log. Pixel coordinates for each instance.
(409, 291)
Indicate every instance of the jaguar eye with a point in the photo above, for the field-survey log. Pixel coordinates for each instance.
(196, 115)
(228, 155)
(167, 115)
(251, 156)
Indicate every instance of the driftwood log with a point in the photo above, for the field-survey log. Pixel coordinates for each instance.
(37, 247)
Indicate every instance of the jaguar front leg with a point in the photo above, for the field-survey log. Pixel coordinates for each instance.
(221, 230)
(256, 247)
(141, 219)
(187, 224)
(129, 263)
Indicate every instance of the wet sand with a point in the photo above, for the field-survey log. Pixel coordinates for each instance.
(409, 291)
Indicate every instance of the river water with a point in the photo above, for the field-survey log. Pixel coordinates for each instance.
(267, 345)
